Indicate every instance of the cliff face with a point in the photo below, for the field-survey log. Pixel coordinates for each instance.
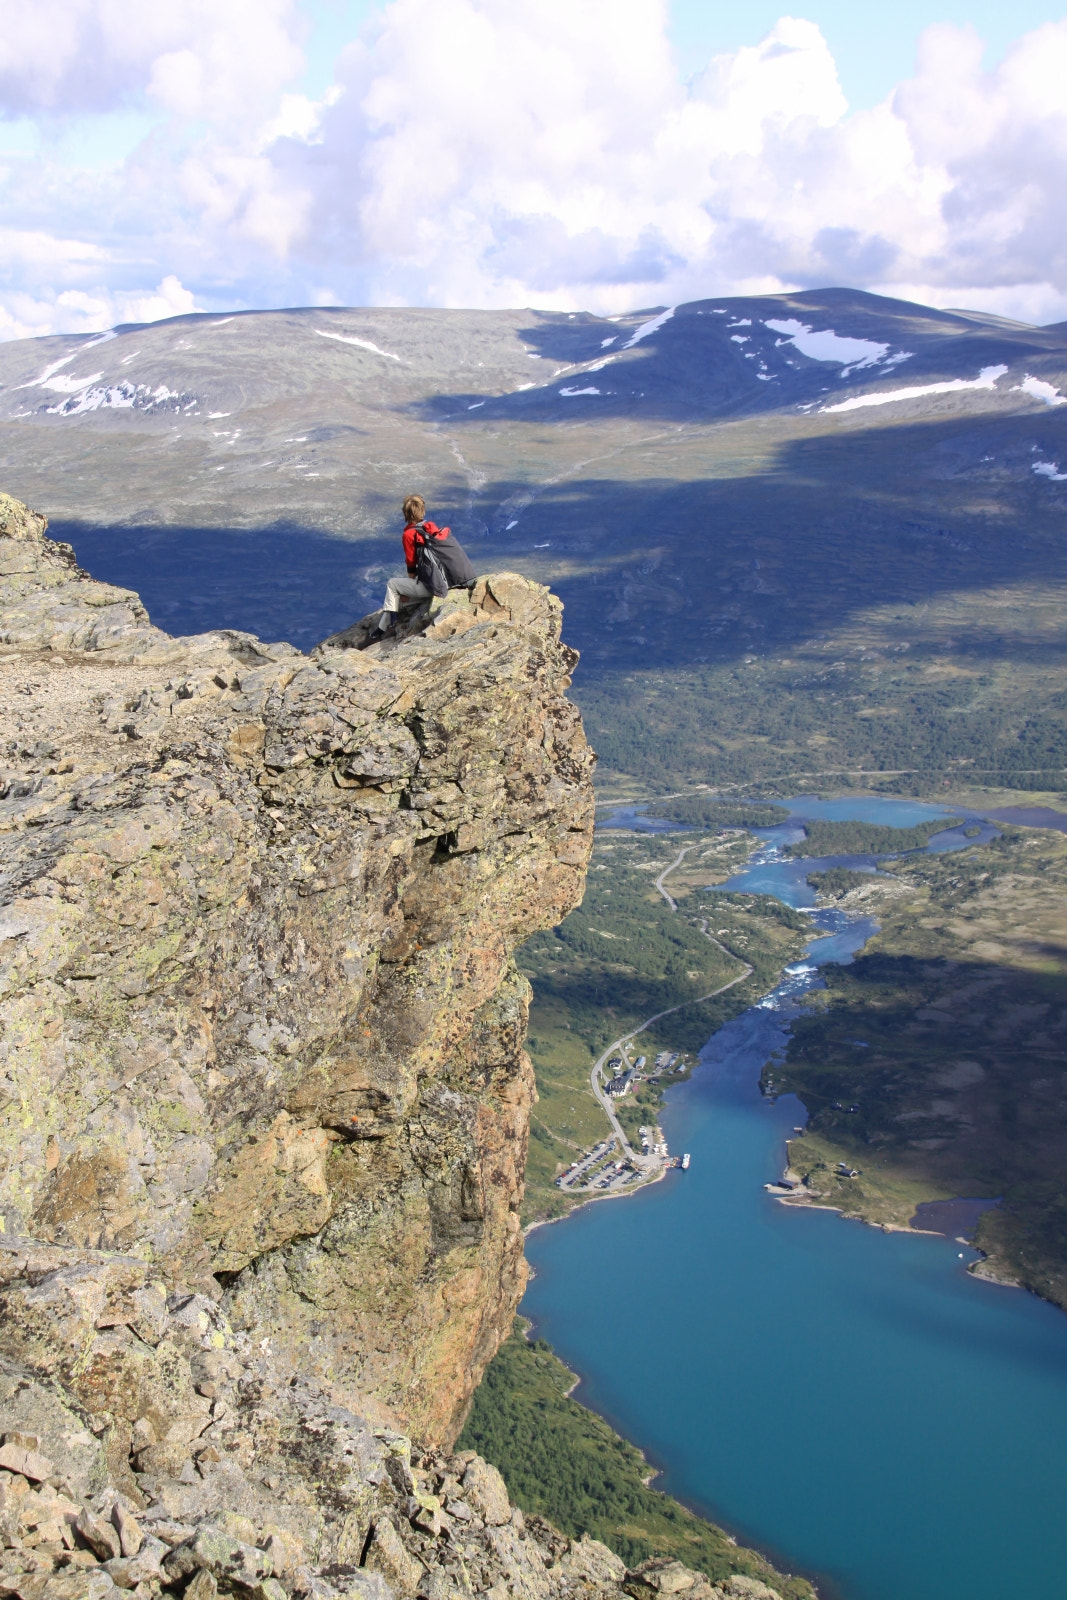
(264, 1099)
(261, 1031)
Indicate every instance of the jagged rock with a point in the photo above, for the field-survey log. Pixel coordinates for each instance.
(285, 1550)
(41, 1410)
(387, 1555)
(742, 1587)
(367, 1586)
(486, 1492)
(666, 1577)
(660, 1576)
(125, 1523)
(202, 1586)
(60, 1586)
(29, 1463)
(265, 1043)
(589, 1561)
(255, 953)
(226, 1558)
(101, 1538)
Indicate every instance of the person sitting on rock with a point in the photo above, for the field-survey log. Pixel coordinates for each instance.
(420, 536)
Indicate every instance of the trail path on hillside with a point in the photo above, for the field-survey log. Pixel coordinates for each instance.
(627, 1038)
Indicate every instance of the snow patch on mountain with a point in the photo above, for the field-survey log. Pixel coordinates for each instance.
(823, 344)
(65, 383)
(986, 379)
(651, 326)
(120, 397)
(1038, 389)
(362, 344)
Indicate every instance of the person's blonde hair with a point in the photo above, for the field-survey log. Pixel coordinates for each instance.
(414, 508)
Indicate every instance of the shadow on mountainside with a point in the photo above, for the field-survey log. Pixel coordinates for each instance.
(841, 606)
(697, 364)
(279, 582)
(657, 571)
(956, 1079)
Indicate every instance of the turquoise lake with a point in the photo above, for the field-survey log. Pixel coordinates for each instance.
(851, 1402)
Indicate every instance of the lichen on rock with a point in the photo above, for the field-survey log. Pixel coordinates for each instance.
(263, 1094)
(261, 1027)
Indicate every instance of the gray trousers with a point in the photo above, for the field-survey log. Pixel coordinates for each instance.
(404, 590)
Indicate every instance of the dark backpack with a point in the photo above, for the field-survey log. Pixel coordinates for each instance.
(441, 564)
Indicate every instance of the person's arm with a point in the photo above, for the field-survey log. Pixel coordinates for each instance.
(409, 548)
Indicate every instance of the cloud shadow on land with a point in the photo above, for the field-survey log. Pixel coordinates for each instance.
(671, 571)
(829, 614)
(826, 613)
(954, 1083)
(696, 367)
(665, 572)
(279, 582)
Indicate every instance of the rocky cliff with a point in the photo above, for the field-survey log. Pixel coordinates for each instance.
(261, 1029)
(264, 1098)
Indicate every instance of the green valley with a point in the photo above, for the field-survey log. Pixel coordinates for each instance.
(623, 956)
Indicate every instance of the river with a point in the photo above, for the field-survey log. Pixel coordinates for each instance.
(851, 1402)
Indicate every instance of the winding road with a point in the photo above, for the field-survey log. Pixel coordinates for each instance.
(650, 1162)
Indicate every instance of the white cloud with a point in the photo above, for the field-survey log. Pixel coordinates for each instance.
(193, 57)
(509, 152)
(25, 316)
(593, 178)
(170, 299)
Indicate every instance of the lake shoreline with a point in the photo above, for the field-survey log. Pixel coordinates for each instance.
(595, 1199)
(715, 1304)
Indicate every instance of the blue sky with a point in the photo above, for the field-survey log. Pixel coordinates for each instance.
(874, 45)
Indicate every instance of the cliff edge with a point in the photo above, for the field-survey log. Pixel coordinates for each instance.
(263, 1093)
(262, 1032)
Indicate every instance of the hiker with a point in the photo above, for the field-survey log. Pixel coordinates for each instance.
(435, 561)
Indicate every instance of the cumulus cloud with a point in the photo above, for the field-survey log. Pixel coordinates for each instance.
(502, 152)
(26, 315)
(592, 177)
(216, 58)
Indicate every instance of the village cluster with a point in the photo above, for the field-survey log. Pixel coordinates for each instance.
(626, 1076)
(613, 1164)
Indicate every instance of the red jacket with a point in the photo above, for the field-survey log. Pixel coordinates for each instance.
(409, 540)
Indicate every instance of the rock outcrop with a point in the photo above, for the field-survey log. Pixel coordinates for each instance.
(263, 1092)
(262, 1035)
